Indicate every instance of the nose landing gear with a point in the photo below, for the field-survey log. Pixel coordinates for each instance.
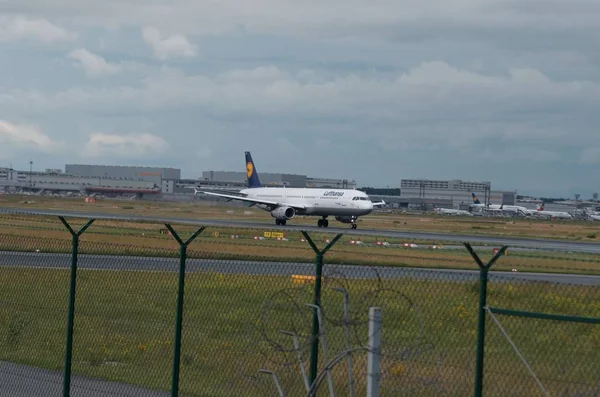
(323, 222)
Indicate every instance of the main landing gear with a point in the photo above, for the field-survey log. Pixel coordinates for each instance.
(281, 222)
(323, 222)
(353, 224)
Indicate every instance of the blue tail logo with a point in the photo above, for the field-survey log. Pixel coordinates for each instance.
(253, 180)
(475, 199)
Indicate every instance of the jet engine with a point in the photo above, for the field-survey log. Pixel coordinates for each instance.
(283, 213)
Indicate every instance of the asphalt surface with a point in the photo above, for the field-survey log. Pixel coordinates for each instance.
(137, 263)
(24, 381)
(540, 244)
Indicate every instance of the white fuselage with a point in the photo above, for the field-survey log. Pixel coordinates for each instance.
(447, 211)
(320, 202)
(554, 214)
(500, 207)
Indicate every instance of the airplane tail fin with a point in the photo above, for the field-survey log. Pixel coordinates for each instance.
(251, 173)
(475, 199)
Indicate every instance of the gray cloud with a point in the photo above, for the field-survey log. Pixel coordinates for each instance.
(176, 45)
(20, 27)
(94, 65)
(500, 90)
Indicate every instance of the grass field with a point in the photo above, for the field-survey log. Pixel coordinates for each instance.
(232, 323)
(534, 228)
(47, 234)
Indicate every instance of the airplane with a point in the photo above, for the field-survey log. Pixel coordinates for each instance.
(553, 214)
(346, 205)
(501, 207)
(446, 211)
(591, 216)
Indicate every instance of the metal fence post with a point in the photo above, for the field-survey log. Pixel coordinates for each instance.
(179, 316)
(374, 356)
(314, 348)
(483, 281)
(71, 310)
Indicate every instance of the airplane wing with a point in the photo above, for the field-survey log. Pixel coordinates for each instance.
(379, 203)
(272, 204)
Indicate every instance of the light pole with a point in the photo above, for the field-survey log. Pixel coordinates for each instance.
(30, 172)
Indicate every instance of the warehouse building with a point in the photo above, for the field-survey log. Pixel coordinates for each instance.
(56, 182)
(266, 178)
(165, 179)
(456, 190)
(326, 183)
(154, 174)
(276, 179)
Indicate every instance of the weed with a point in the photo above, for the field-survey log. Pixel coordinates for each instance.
(16, 326)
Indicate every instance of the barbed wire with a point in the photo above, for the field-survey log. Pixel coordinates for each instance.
(285, 316)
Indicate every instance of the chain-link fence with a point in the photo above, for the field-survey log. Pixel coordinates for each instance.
(542, 336)
(212, 316)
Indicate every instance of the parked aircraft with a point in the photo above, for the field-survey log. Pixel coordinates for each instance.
(346, 205)
(553, 214)
(516, 209)
(590, 214)
(448, 211)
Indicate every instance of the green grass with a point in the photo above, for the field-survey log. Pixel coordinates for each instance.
(232, 323)
(29, 233)
(523, 228)
(154, 244)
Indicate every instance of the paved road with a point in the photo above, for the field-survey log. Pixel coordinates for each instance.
(24, 381)
(103, 262)
(553, 245)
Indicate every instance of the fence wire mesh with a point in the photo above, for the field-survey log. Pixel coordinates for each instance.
(246, 316)
(247, 319)
(33, 304)
(542, 357)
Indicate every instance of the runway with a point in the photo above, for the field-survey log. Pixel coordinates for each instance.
(27, 381)
(539, 244)
(156, 264)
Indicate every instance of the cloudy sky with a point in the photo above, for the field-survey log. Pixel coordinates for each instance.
(506, 91)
